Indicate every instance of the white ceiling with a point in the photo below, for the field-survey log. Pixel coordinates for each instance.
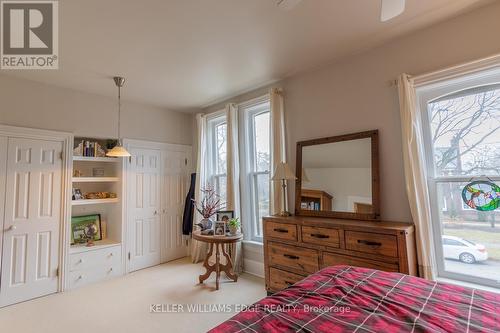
(344, 154)
(185, 54)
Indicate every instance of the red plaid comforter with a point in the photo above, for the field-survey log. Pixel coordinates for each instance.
(352, 299)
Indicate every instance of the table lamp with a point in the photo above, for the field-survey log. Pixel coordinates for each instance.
(283, 173)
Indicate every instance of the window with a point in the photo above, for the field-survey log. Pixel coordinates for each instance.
(462, 143)
(217, 152)
(256, 162)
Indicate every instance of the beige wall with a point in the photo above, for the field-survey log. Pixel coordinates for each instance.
(31, 104)
(355, 94)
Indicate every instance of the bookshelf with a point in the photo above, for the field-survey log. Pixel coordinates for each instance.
(95, 179)
(98, 179)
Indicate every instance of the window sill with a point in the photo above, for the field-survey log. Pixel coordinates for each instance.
(258, 246)
(468, 285)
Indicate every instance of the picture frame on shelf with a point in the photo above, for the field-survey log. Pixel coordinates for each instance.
(220, 228)
(225, 215)
(77, 194)
(80, 226)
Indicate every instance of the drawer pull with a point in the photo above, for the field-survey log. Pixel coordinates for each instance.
(288, 283)
(291, 256)
(369, 243)
(320, 236)
(80, 277)
(285, 231)
(80, 261)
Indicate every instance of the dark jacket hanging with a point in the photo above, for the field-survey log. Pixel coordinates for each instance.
(187, 219)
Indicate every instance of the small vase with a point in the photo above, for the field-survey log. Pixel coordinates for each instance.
(233, 230)
(206, 224)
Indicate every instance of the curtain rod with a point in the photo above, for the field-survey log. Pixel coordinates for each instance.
(454, 71)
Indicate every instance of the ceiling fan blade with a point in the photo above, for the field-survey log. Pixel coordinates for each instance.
(391, 9)
(287, 4)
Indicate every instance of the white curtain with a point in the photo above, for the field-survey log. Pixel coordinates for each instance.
(199, 249)
(415, 175)
(278, 153)
(233, 178)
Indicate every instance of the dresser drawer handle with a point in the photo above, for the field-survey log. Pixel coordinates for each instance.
(320, 236)
(288, 283)
(291, 256)
(285, 231)
(369, 243)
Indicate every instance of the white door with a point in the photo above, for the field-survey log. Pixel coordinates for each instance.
(3, 171)
(143, 190)
(32, 220)
(175, 187)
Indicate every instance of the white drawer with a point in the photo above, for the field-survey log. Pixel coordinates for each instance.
(84, 277)
(95, 258)
(94, 265)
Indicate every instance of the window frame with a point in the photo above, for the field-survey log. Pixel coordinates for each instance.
(215, 120)
(248, 171)
(425, 94)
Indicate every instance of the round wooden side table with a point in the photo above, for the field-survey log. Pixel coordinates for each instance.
(220, 246)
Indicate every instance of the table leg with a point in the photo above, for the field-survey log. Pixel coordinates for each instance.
(228, 267)
(217, 265)
(208, 267)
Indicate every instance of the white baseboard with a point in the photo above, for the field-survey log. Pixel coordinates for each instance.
(253, 267)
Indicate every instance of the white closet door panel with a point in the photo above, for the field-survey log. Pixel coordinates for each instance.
(175, 188)
(144, 206)
(32, 219)
(3, 171)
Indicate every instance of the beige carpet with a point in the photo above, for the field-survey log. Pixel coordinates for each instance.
(123, 304)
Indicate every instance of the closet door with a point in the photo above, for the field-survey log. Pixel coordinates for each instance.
(3, 171)
(32, 220)
(174, 189)
(143, 190)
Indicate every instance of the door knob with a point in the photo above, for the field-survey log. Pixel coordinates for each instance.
(12, 228)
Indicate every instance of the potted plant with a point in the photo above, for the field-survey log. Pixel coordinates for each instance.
(234, 226)
(207, 207)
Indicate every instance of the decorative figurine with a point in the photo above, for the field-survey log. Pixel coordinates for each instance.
(90, 232)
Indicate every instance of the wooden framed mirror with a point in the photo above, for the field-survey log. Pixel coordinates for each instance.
(338, 177)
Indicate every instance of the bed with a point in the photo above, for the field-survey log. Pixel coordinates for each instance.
(353, 299)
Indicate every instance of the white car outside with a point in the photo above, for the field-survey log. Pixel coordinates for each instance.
(464, 250)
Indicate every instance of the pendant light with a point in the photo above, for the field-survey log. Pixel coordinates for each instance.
(118, 150)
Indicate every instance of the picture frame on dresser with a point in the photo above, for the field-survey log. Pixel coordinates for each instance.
(355, 151)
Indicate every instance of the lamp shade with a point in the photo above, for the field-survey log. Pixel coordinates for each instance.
(283, 172)
(118, 151)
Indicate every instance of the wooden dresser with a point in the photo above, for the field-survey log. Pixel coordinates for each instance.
(295, 247)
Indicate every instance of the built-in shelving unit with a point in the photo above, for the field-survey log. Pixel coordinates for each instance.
(96, 159)
(94, 201)
(97, 176)
(98, 245)
(95, 179)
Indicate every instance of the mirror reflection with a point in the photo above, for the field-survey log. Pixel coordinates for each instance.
(337, 177)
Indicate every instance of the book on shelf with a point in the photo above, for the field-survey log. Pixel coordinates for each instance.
(89, 148)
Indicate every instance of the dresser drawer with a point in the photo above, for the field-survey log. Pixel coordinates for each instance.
(92, 258)
(279, 279)
(332, 259)
(281, 230)
(321, 236)
(302, 259)
(386, 245)
(97, 273)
